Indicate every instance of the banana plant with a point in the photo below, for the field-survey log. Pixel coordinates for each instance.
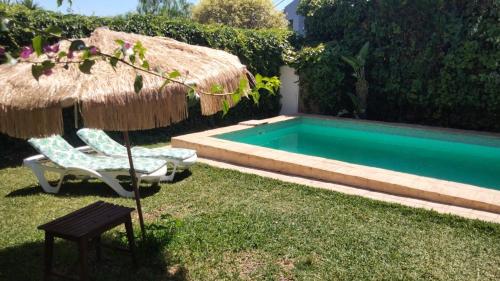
(358, 65)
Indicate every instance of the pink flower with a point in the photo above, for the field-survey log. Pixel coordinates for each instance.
(2, 51)
(55, 48)
(127, 49)
(26, 52)
(93, 51)
(51, 48)
(48, 72)
(47, 49)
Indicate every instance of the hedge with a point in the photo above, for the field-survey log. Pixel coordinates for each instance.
(432, 62)
(260, 50)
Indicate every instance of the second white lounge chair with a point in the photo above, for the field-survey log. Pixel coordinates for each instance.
(98, 140)
(59, 157)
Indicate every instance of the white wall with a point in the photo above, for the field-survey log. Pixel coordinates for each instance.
(289, 90)
(291, 14)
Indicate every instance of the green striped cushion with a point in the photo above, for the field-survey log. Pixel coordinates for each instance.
(63, 154)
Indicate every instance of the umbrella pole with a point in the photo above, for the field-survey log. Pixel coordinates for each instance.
(133, 175)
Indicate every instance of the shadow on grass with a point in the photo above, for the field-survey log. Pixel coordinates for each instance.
(181, 176)
(81, 188)
(25, 261)
(85, 188)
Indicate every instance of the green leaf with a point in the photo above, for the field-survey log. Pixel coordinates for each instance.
(174, 74)
(275, 83)
(355, 101)
(353, 62)
(85, 54)
(132, 59)
(86, 66)
(255, 97)
(145, 64)
(62, 54)
(217, 89)
(37, 71)
(47, 64)
(225, 107)
(77, 45)
(113, 61)
(37, 42)
(243, 85)
(139, 49)
(60, 2)
(191, 93)
(54, 30)
(118, 53)
(236, 98)
(363, 53)
(120, 42)
(138, 83)
(258, 78)
(165, 83)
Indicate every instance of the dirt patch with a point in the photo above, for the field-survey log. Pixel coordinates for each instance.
(287, 266)
(246, 264)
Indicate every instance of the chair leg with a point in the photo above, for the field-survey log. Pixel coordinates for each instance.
(49, 250)
(39, 172)
(83, 249)
(169, 178)
(130, 236)
(116, 186)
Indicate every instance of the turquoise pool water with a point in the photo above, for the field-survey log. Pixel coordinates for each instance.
(465, 158)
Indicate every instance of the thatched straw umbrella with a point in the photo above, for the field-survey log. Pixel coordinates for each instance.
(107, 99)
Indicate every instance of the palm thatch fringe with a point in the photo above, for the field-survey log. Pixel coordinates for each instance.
(27, 123)
(128, 112)
(212, 103)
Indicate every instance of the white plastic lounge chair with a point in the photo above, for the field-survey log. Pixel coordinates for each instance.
(58, 156)
(102, 143)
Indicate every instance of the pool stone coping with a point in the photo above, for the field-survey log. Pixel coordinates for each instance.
(392, 182)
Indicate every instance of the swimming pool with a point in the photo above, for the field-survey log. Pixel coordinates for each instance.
(453, 167)
(464, 158)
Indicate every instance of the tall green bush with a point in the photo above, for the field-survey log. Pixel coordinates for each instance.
(260, 50)
(431, 61)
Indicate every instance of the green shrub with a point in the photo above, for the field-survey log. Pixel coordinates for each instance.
(325, 96)
(261, 50)
(431, 62)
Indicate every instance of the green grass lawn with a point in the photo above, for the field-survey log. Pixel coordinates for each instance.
(215, 224)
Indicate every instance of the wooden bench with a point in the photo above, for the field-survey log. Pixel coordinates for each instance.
(83, 227)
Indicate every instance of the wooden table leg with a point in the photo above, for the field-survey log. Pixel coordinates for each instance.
(130, 236)
(83, 249)
(97, 242)
(49, 250)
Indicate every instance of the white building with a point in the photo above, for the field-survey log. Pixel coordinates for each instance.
(296, 21)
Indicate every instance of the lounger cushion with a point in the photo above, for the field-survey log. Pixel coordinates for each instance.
(101, 142)
(63, 154)
(164, 152)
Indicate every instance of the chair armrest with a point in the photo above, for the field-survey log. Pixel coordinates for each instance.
(85, 149)
(35, 158)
